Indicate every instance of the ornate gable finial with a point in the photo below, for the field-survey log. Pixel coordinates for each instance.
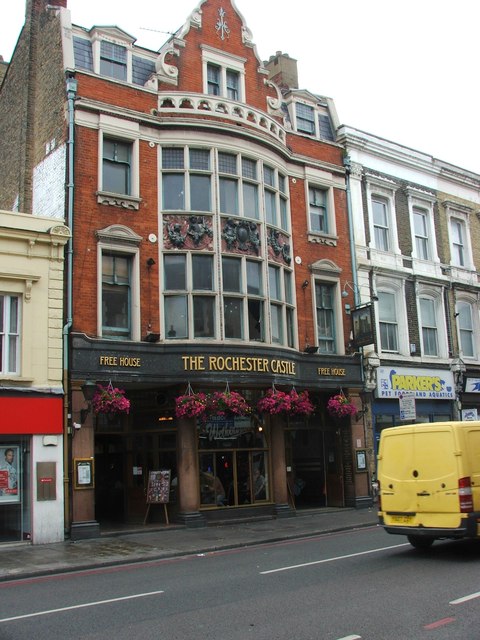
(222, 27)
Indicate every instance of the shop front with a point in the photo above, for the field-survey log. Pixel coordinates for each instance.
(407, 394)
(31, 469)
(221, 465)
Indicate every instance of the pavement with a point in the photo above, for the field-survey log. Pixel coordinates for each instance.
(156, 542)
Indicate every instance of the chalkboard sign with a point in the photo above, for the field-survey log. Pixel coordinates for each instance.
(158, 490)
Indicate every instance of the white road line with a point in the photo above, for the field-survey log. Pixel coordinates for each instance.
(81, 606)
(354, 637)
(350, 555)
(472, 596)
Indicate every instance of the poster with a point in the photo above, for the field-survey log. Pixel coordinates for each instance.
(9, 474)
(158, 490)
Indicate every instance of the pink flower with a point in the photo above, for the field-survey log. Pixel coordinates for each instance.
(110, 399)
(340, 406)
(292, 403)
(191, 405)
(222, 403)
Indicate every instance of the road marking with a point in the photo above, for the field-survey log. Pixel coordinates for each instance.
(439, 623)
(81, 606)
(472, 596)
(354, 637)
(349, 555)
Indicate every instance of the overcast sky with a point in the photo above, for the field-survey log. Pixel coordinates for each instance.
(406, 71)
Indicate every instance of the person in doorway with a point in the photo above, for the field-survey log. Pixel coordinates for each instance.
(8, 465)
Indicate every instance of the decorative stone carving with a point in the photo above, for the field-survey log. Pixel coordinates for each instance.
(242, 235)
(279, 248)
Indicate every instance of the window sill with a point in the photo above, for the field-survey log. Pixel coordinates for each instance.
(118, 200)
(12, 378)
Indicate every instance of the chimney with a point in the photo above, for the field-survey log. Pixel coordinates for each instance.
(283, 70)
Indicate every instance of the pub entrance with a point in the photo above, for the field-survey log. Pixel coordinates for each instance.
(314, 465)
(125, 453)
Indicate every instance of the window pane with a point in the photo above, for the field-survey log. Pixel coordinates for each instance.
(175, 276)
(290, 328)
(325, 318)
(115, 295)
(274, 282)
(318, 210)
(421, 237)
(305, 118)
(277, 328)
(200, 159)
(172, 158)
(204, 317)
(231, 272)
(250, 200)
(249, 168)
(465, 325)
(116, 166)
(269, 176)
(287, 276)
(227, 163)
(233, 82)
(213, 80)
(176, 319)
(283, 214)
(380, 223)
(200, 193)
(429, 327)
(270, 207)
(254, 278)
(233, 317)
(388, 321)
(255, 320)
(228, 196)
(202, 272)
(173, 191)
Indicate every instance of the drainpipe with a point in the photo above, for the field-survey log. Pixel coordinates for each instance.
(347, 164)
(71, 95)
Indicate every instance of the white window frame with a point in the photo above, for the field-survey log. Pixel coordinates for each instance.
(129, 133)
(318, 110)
(225, 62)
(121, 240)
(187, 171)
(383, 189)
(397, 288)
(7, 334)
(455, 214)
(423, 202)
(472, 302)
(327, 272)
(435, 295)
(316, 180)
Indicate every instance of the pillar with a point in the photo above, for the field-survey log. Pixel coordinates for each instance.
(279, 468)
(188, 474)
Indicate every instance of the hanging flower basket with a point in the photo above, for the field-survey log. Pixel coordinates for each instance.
(110, 400)
(191, 405)
(225, 403)
(340, 406)
(301, 405)
(274, 402)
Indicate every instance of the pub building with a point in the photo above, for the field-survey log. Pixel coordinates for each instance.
(207, 199)
(211, 247)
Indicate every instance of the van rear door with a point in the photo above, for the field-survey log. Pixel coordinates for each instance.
(420, 477)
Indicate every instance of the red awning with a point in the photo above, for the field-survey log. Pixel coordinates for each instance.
(25, 415)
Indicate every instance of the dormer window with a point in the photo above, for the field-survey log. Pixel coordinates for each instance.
(313, 120)
(113, 60)
(223, 75)
(305, 118)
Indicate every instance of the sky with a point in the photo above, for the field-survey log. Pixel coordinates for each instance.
(405, 71)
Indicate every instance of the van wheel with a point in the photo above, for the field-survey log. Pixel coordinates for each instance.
(420, 542)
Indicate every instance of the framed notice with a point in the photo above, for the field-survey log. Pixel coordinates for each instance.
(361, 459)
(83, 473)
(9, 474)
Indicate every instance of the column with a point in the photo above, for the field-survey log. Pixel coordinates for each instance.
(188, 474)
(279, 468)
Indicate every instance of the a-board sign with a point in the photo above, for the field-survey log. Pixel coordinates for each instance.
(158, 490)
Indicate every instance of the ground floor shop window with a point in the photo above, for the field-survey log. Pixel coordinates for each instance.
(233, 463)
(15, 522)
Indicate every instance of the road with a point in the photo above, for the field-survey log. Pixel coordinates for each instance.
(355, 585)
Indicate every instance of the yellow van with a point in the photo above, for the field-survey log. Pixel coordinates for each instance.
(429, 481)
